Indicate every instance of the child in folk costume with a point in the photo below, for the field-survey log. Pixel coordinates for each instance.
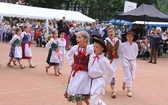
(94, 36)
(16, 50)
(79, 82)
(129, 52)
(26, 45)
(53, 58)
(113, 44)
(61, 47)
(100, 71)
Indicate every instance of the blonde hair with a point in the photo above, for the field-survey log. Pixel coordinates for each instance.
(111, 27)
(158, 30)
(84, 35)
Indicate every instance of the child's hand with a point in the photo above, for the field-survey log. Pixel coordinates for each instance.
(72, 66)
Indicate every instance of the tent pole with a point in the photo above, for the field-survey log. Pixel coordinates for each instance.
(1, 17)
(47, 31)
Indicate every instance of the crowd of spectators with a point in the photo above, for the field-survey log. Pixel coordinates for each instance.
(40, 35)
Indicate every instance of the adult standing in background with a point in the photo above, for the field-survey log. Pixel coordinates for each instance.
(7, 29)
(1, 31)
(155, 42)
(26, 46)
(96, 27)
(63, 24)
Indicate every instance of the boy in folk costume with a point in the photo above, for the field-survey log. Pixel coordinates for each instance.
(100, 71)
(129, 52)
(61, 47)
(78, 89)
(94, 36)
(53, 58)
(26, 46)
(16, 50)
(113, 44)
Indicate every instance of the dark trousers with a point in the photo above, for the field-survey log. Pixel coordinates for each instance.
(5, 37)
(154, 54)
(165, 46)
(145, 54)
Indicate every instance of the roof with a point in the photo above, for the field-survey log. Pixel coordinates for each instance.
(13, 10)
(144, 13)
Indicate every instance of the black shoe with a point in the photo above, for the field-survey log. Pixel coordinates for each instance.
(154, 62)
(150, 62)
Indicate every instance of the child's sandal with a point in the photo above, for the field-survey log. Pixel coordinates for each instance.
(59, 72)
(46, 68)
(22, 67)
(9, 65)
(123, 86)
(56, 74)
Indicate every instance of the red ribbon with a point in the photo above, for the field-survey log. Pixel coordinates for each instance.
(81, 53)
(29, 43)
(95, 57)
(113, 56)
(77, 68)
(57, 51)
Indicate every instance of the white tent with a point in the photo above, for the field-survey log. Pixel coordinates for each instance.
(13, 10)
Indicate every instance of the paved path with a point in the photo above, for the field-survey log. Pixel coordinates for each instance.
(35, 87)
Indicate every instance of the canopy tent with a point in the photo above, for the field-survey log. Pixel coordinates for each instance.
(144, 13)
(13, 10)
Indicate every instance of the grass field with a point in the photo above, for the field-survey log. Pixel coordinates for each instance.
(165, 55)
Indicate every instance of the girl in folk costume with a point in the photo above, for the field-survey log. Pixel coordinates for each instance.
(129, 52)
(79, 82)
(100, 71)
(53, 58)
(113, 44)
(26, 46)
(16, 50)
(61, 47)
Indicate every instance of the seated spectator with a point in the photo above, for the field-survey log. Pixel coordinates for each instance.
(42, 38)
(165, 40)
(144, 49)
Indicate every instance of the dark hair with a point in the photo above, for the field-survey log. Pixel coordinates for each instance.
(17, 30)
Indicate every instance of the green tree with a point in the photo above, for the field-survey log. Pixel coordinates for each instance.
(105, 9)
(162, 5)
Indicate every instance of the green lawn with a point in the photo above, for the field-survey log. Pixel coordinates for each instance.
(165, 55)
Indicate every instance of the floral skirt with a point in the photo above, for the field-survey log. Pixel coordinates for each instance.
(78, 97)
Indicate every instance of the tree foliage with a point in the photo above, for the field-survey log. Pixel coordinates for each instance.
(101, 9)
(162, 5)
(139, 2)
